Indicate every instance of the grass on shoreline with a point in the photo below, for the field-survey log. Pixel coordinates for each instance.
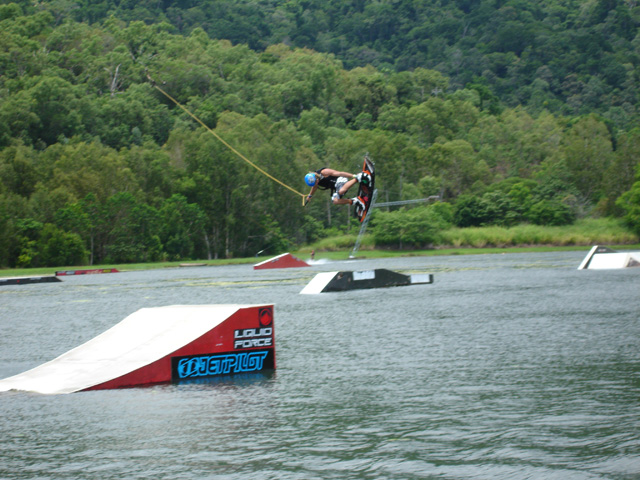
(585, 232)
(600, 231)
(456, 241)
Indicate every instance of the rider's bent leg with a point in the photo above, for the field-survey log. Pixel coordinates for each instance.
(347, 186)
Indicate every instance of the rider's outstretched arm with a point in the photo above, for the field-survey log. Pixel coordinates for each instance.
(313, 190)
(329, 172)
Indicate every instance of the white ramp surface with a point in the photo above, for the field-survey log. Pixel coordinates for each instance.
(604, 258)
(317, 283)
(605, 261)
(140, 339)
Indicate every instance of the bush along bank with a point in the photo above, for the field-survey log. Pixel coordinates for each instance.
(443, 225)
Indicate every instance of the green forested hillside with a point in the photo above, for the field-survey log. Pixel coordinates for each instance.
(513, 113)
(568, 56)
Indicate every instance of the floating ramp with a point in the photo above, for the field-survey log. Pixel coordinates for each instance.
(90, 271)
(601, 258)
(286, 260)
(379, 278)
(27, 280)
(160, 345)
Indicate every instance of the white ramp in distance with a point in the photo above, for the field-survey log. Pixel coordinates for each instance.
(604, 258)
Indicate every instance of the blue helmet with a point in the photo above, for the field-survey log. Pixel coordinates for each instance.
(310, 178)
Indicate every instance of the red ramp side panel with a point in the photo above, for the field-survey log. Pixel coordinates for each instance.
(286, 260)
(242, 343)
(159, 345)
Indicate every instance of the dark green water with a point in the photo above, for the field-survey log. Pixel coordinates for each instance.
(512, 366)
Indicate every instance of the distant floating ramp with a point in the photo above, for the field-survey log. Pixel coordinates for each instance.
(378, 278)
(27, 280)
(286, 260)
(160, 345)
(603, 258)
(90, 271)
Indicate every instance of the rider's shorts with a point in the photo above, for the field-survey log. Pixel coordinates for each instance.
(339, 184)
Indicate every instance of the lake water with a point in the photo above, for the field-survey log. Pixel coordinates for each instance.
(514, 366)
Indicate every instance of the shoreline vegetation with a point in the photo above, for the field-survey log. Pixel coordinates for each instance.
(584, 232)
(455, 241)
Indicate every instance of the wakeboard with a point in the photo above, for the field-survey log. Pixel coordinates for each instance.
(366, 188)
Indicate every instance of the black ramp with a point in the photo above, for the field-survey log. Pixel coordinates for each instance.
(379, 278)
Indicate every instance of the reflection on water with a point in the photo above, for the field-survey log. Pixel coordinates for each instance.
(508, 366)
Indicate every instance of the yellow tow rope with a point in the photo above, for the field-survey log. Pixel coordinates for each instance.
(225, 143)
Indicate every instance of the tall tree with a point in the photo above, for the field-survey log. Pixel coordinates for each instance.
(588, 151)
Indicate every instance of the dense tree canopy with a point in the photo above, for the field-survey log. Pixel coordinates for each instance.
(571, 57)
(512, 112)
